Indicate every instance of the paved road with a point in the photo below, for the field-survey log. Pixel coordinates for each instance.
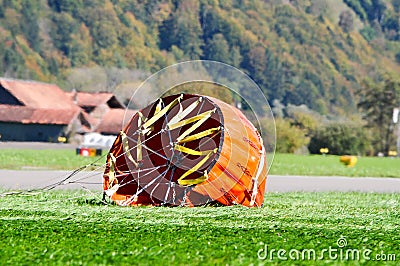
(36, 145)
(11, 179)
(332, 183)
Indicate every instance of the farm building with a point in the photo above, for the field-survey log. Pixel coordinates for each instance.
(108, 114)
(36, 111)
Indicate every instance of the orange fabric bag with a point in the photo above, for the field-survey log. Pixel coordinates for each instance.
(187, 150)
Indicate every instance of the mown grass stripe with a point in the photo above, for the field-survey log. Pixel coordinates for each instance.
(44, 229)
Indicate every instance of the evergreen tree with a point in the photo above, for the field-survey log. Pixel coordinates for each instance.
(218, 49)
(183, 29)
(377, 103)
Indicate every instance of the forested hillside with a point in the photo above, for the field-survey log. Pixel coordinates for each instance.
(315, 53)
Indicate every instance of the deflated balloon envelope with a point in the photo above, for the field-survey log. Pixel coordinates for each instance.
(190, 148)
(187, 150)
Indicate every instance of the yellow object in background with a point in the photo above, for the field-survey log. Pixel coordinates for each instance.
(392, 153)
(349, 161)
(62, 139)
(324, 150)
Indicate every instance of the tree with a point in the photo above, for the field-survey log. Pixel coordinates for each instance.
(303, 117)
(63, 28)
(391, 25)
(396, 5)
(255, 63)
(289, 138)
(357, 7)
(376, 9)
(377, 103)
(398, 58)
(183, 29)
(340, 139)
(346, 21)
(81, 46)
(218, 49)
(70, 6)
(12, 61)
(30, 11)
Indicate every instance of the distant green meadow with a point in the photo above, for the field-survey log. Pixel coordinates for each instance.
(330, 165)
(283, 164)
(74, 228)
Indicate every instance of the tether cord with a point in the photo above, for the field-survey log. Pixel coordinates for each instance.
(170, 183)
(131, 199)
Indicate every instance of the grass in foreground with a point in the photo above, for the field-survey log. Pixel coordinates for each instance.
(56, 228)
(283, 164)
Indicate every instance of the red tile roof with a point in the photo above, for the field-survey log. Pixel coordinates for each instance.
(47, 104)
(92, 99)
(114, 120)
(27, 115)
(37, 94)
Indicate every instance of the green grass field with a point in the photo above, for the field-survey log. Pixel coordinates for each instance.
(62, 228)
(318, 165)
(283, 164)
